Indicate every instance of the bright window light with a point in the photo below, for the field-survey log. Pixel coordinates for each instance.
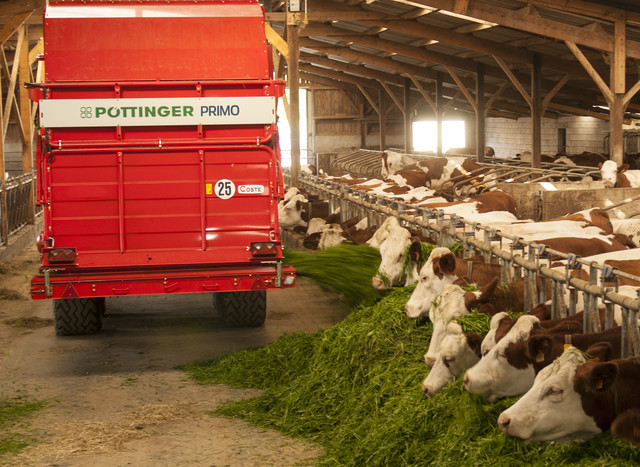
(284, 130)
(425, 135)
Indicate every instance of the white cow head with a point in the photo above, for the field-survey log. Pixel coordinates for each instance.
(458, 352)
(495, 376)
(609, 171)
(331, 236)
(437, 272)
(552, 410)
(382, 233)
(392, 251)
(289, 211)
(452, 303)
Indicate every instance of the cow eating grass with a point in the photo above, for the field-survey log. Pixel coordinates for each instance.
(578, 397)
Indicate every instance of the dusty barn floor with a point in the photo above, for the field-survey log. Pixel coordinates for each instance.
(116, 398)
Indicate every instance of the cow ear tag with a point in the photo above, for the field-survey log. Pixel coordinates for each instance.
(567, 341)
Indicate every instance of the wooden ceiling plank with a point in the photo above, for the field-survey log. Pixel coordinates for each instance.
(393, 96)
(15, 8)
(631, 92)
(496, 94)
(36, 50)
(13, 25)
(278, 42)
(543, 26)
(554, 91)
(514, 80)
(372, 103)
(463, 88)
(422, 91)
(606, 92)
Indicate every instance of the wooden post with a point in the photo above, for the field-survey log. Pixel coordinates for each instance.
(382, 118)
(408, 134)
(536, 111)
(618, 85)
(293, 79)
(480, 113)
(27, 122)
(4, 225)
(439, 105)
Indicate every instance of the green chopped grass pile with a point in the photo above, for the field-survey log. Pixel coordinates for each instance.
(347, 269)
(13, 412)
(355, 388)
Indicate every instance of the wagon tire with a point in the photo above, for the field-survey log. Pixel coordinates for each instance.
(78, 316)
(242, 309)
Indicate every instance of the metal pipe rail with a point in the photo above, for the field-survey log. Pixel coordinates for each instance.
(510, 252)
(14, 211)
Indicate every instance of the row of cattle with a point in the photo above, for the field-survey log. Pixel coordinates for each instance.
(512, 357)
(435, 172)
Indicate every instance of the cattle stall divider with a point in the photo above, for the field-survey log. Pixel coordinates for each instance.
(517, 257)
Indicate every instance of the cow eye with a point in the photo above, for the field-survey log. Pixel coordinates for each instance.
(501, 354)
(553, 391)
(485, 352)
(448, 360)
(423, 278)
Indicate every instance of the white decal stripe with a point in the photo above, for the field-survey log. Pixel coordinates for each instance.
(251, 110)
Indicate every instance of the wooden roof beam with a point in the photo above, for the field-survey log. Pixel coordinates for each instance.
(534, 24)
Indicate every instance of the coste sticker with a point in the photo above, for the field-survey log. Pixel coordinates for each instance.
(225, 189)
(250, 189)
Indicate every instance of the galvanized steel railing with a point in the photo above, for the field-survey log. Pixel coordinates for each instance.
(517, 257)
(14, 205)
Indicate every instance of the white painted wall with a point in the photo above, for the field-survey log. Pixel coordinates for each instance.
(510, 137)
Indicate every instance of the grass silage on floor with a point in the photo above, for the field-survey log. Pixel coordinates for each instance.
(355, 388)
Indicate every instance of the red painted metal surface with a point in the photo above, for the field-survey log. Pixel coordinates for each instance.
(153, 40)
(142, 208)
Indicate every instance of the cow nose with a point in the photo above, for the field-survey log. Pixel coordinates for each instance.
(425, 391)
(503, 423)
(465, 381)
(377, 283)
(429, 361)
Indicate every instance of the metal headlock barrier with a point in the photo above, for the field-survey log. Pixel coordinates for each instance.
(518, 258)
(14, 206)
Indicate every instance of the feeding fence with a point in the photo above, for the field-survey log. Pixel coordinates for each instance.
(14, 205)
(517, 257)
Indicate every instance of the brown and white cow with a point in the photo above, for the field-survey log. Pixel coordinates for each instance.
(443, 268)
(576, 398)
(459, 350)
(393, 162)
(453, 303)
(619, 177)
(509, 368)
(290, 209)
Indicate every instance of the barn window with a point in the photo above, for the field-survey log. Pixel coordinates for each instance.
(425, 135)
(284, 130)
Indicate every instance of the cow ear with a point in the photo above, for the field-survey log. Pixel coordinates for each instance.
(539, 347)
(602, 351)
(474, 341)
(448, 263)
(416, 251)
(602, 376)
(487, 291)
(623, 168)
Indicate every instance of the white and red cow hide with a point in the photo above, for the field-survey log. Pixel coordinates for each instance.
(576, 398)
(619, 177)
(509, 368)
